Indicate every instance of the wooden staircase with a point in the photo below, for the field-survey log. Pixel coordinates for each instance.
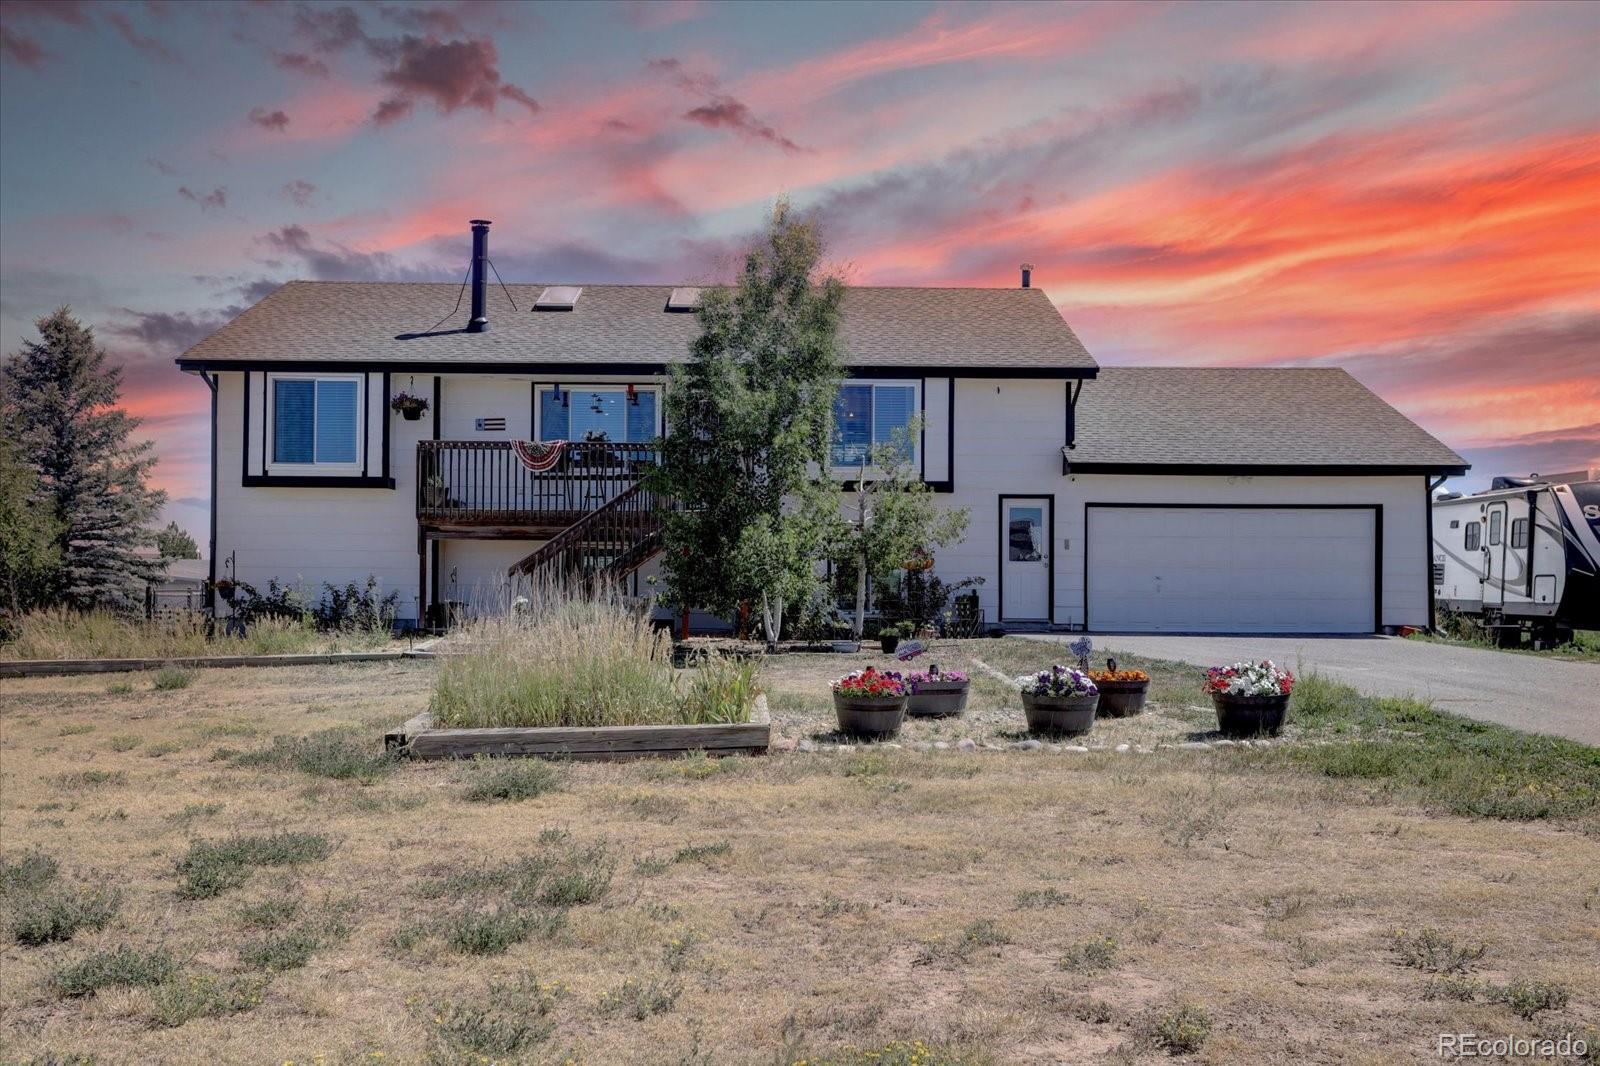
(607, 543)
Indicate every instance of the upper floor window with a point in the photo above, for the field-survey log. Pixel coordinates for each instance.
(316, 421)
(869, 414)
(613, 414)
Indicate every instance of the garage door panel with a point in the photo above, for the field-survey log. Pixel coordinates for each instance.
(1278, 570)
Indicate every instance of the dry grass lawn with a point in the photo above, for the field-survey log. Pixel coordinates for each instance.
(998, 907)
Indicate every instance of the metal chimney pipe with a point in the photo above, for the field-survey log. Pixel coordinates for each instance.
(1027, 275)
(480, 259)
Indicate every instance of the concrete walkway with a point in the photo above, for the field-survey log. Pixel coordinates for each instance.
(1527, 692)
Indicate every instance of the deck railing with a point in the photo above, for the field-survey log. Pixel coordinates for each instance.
(470, 482)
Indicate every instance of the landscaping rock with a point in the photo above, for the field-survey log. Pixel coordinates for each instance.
(1076, 749)
(940, 745)
(1028, 745)
(806, 744)
(1123, 749)
(1195, 745)
(967, 744)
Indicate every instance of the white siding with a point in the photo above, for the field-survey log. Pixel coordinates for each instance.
(475, 571)
(307, 536)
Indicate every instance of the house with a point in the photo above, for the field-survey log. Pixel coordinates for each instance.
(1140, 499)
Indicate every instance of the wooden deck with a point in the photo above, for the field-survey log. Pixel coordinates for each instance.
(481, 490)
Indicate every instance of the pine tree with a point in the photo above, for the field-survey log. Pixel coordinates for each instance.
(29, 554)
(60, 395)
(751, 413)
(174, 542)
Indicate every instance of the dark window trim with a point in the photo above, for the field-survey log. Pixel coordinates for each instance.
(603, 369)
(311, 481)
(1377, 538)
(1497, 526)
(244, 468)
(388, 416)
(1519, 532)
(1472, 536)
(1075, 466)
(1003, 537)
(950, 440)
(211, 555)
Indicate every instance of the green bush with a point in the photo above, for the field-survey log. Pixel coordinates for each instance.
(492, 932)
(213, 867)
(185, 997)
(269, 913)
(1090, 956)
(281, 951)
(1526, 998)
(509, 1017)
(494, 780)
(641, 999)
(341, 754)
(169, 678)
(48, 916)
(123, 966)
(1432, 951)
(1181, 1030)
(29, 873)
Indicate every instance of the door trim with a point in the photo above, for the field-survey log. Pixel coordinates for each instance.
(1377, 539)
(1000, 556)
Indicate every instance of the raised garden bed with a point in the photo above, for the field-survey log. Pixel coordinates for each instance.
(419, 739)
(60, 667)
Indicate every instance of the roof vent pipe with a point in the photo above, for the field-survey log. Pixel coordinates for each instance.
(1027, 275)
(480, 257)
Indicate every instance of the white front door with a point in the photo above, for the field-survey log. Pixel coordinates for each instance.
(1025, 559)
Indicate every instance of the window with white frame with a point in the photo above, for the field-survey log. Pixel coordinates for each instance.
(871, 414)
(625, 414)
(316, 421)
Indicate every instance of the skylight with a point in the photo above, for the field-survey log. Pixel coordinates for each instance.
(686, 299)
(558, 298)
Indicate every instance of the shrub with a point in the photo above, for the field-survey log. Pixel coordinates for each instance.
(1042, 897)
(282, 951)
(493, 932)
(1527, 998)
(186, 997)
(509, 1017)
(166, 747)
(1434, 952)
(33, 871)
(212, 867)
(48, 916)
(641, 999)
(356, 607)
(92, 779)
(584, 883)
(702, 852)
(1089, 956)
(169, 678)
(497, 780)
(125, 742)
(341, 754)
(123, 966)
(1181, 1030)
(269, 913)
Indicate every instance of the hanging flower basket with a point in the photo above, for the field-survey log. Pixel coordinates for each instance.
(410, 407)
(1251, 699)
(226, 589)
(870, 702)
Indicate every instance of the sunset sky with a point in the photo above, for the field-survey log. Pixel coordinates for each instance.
(1406, 190)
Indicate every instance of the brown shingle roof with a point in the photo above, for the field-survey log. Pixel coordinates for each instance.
(626, 325)
(1245, 417)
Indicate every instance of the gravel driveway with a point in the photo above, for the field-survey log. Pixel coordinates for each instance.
(1526, 692)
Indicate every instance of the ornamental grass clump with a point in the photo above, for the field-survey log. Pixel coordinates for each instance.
(584, 660)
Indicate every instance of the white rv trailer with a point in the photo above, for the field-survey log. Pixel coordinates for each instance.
(1525, 554)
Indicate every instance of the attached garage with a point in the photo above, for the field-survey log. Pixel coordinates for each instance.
(1233, 569)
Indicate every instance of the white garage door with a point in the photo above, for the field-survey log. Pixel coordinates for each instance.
(1231, 570)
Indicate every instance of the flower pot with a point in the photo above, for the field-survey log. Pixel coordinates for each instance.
(1062, 715)
(847, 647)
(227, 590)
(1249, 716)
(411, 414)
(1118, 699)
(889, 642)
(934, 699)
(877, 716)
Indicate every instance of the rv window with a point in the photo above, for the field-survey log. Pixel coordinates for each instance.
(1494, 528)
(1519, 533)
(1472, 536)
